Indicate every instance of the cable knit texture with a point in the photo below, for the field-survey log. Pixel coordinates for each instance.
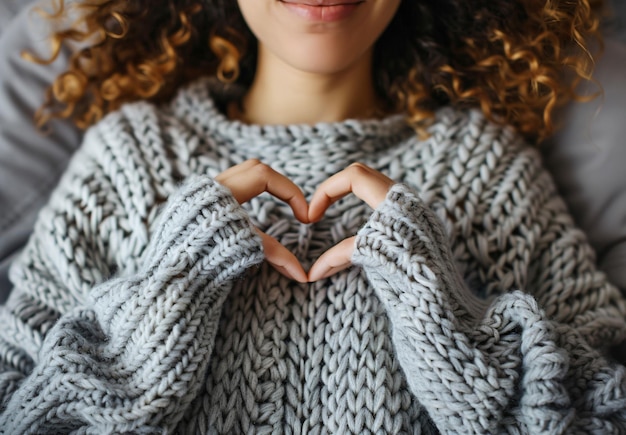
(142, 303)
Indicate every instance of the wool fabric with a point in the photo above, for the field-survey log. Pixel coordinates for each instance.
(142, 303)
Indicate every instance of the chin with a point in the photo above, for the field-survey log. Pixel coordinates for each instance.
(324, 66)
(321, 55)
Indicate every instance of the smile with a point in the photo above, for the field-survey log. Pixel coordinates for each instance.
(322, 10)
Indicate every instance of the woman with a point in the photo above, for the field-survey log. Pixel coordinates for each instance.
(466, 301)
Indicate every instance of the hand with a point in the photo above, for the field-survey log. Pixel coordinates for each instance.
(251, 178)
(367, 184)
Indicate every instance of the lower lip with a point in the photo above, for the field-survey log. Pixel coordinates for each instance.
(322, 13)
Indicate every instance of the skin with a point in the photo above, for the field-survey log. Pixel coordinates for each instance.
(325, 71)
(251, 178)
(368, 185)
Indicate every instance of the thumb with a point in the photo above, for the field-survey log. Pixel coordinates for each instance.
(332, 261)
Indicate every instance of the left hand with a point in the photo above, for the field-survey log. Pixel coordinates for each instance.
(367, 184)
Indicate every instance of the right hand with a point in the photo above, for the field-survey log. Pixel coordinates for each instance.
(251, 178)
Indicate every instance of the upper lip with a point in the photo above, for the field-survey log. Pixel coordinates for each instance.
(323, 2)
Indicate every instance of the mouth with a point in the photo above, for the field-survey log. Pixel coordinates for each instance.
(322, 3)
(322, 10)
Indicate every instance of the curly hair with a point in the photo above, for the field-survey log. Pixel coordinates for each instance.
(515, 60)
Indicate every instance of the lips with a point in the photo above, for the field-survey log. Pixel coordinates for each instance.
(323, 2)
(322, 10)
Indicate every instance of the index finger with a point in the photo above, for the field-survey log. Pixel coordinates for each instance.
(366, 183)
(252, 178)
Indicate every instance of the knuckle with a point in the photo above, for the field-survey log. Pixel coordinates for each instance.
(261, 169)
(252, 162)
(359, 168)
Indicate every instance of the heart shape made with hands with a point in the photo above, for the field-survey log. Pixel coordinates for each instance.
(252, 177)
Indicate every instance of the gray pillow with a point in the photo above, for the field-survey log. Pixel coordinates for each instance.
(8, 9)
(588, 158)
(30, 162)
(615, 25)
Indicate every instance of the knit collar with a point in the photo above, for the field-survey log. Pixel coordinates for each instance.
(197, 105)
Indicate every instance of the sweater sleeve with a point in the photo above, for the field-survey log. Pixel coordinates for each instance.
(502, 364)
(80, 351)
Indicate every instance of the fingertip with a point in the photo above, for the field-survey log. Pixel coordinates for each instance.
(296, 275)
(302, 216)
(294, 271)
(300, 209)
(314, 217)
(315, 212)
(318, 276)
(300, 276)
(315, 273)
(312, 278)
(301, 279)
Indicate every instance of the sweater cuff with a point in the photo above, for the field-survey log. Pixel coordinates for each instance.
(202, 219)
(404, 241)
(202, 234)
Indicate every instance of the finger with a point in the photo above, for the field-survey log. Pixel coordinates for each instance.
(332, 261)
(366, 183)
(241, 181)
(282, 259)
(251, 178)
(237, 168)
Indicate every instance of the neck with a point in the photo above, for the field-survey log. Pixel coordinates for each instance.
(281, 94)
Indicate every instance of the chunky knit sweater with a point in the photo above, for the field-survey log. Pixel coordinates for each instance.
(143, 304)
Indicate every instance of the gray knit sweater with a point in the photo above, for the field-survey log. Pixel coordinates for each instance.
(142, 303)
